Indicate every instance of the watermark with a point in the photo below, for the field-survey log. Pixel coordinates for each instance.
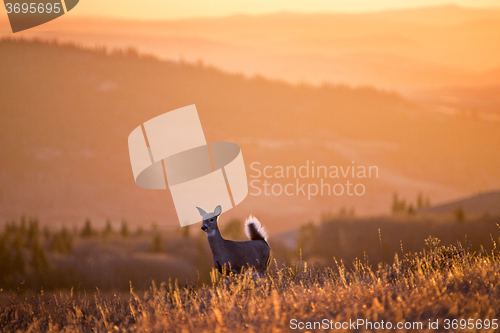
(170, 150)
(26, 14)
(327, 324)
(363, 324)
(310, 180)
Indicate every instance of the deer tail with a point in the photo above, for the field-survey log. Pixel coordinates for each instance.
(254, 230)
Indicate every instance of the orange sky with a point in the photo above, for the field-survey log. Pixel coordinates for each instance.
(174, 9)
(161, 9)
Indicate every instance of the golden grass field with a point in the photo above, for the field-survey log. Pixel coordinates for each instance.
(443, 282)
(44, 292)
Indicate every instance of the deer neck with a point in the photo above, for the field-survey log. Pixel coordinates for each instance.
(214, 234)
(215, 240)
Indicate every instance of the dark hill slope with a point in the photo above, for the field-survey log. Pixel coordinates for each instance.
(477, 205)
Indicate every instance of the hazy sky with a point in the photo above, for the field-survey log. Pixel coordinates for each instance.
(168, 9)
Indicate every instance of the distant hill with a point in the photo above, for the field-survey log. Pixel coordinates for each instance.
(66, 113)
(403, 50)
(482, 204)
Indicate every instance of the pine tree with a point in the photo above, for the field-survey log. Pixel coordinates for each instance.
(62, 242)
(32, 232)
(343, 211)
(5, 259)
(18, 260)
(38, 261)
(306, 240)
(46, 233)
(139, 232)
(157, 244)
(420, 200)
(124, 231)
(459, 214)
(87, 229)
(398, 206)
(411, 210)
(395, 203)
(108, 229)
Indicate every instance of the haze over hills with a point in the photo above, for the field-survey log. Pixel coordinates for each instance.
(67, 113)
(479, 205)
(406, 50)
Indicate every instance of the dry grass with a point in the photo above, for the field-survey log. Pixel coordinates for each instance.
(442, 282)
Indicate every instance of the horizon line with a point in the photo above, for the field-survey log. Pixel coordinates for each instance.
(282, 12)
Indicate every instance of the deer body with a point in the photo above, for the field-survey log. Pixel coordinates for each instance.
(233, 255)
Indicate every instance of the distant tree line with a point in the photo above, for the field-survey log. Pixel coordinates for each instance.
(378, 239)
(21, 251)
(25, 248)
(401, 206)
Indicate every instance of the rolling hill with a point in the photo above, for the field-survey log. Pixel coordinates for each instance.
(66, 113)
(403, 50)
(478, 205)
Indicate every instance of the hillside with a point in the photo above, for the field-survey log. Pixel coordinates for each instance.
(481, 204)
(405, 50)
(67, 112)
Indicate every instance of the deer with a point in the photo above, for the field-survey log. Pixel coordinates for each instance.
(231, 256)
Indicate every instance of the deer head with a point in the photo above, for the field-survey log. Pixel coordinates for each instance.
(210, 219)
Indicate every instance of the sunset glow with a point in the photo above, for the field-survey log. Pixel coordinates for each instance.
(174, 9)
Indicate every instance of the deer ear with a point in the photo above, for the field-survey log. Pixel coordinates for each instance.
(202, 212)
(218, 210)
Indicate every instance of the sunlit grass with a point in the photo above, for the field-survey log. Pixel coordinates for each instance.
(438, 283)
